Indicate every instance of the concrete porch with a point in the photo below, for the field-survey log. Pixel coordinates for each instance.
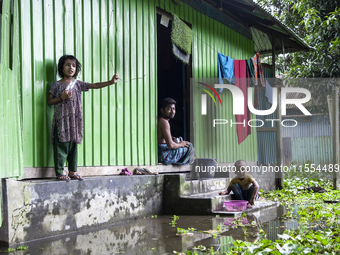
(35, 209)
(48, 172)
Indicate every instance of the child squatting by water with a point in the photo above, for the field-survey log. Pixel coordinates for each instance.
(243, 185)
(67, 126)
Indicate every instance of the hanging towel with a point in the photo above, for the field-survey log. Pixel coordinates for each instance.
(269, 93)
(225, 67)
(241, 81)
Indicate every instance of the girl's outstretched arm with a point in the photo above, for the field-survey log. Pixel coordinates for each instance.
(100, 85)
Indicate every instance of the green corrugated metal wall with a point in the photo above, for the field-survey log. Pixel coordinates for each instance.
(116, 37)
(221, 142)
(107, 37)
(11, 162)
(210, 37)
(10, 122)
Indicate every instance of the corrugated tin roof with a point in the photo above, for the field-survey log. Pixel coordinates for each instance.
(283, 28)
(262, 25)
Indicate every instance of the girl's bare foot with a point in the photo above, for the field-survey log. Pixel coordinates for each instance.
(62, 177)
(74, 176)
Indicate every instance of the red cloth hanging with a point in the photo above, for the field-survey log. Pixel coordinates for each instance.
(241, 73)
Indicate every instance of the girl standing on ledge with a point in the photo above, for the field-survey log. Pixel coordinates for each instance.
(67, 127)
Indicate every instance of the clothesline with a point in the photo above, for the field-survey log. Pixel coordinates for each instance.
(242, 69)
(235, 71)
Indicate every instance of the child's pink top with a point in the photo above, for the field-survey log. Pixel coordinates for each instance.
(68, 115)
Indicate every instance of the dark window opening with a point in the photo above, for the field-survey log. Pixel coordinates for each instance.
(173, 78)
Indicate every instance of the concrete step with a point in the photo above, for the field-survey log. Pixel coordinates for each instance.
(200, 197)
(194, 197)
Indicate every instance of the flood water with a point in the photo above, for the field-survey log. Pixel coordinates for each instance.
(157, 236)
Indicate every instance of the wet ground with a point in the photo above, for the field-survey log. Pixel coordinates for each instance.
(157, 236)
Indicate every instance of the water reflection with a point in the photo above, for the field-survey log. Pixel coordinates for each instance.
(156, 236)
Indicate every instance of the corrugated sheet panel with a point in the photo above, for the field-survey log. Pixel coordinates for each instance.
(316, 149)
(211, 37)
(316, 126)
(267, 71)
(267, 152)
(11, 164)
(116, 37)
(264, 105)
(214, 13)
(311, 139)
(266, 141)
(107, 37)
(11, 154)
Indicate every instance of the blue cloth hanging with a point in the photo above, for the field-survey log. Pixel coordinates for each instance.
(225, 66)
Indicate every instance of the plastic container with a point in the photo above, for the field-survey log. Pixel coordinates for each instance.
(235, 205)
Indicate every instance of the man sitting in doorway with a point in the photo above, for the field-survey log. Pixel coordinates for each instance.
(170, 152)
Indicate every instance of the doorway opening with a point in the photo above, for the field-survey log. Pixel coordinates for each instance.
(173, 79)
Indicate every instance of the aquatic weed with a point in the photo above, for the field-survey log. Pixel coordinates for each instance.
(22, 248)
(173, 222)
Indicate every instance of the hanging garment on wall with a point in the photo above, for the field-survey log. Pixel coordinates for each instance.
(258, 77)
(225, 67)
(258, 73)
(241, 74)
(269, 93)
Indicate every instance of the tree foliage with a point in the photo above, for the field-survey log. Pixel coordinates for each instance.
(318, 24)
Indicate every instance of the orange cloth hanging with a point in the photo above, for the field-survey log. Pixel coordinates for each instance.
(258, 75)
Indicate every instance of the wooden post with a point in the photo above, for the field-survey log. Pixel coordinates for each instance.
(279, 140)
(279, 175)
(330, 111)
(335, 133)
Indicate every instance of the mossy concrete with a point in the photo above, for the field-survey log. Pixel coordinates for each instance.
(193, 197)
(38, 209)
